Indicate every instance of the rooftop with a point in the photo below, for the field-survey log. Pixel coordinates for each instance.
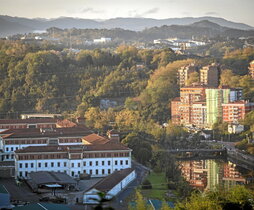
(112, 180)
(47, 132)
(42, 206)
(95, 139)
(97, 147)
(27, 121)
(3, 190)
(48, 177)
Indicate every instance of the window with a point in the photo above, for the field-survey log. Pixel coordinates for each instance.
(96, 163)
(11, 148)
(20, 173)
(32, 165)
(26, 173)
(84, 171)
(52, 164)
(72, 165)
(65, 164)
(46, 165)
(39, 165)
(109, 162)
(121, 162)
(72, 173)
(78, 164)
(26, 165)
(103, 171)
(96, 171)
(84, 164)
(58, 164)
(20, 165)
(126, 162)
(109, 171)
(90, 163)
(7, 156)
(91, 172)
(7, 149)
(102, 163)
(115, 162)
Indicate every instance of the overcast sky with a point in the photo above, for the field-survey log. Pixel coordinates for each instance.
(234, 10)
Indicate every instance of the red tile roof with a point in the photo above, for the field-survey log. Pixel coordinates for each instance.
(99, 147)
(95, 139)
(47, 132)
(112, 180)
(27, 121)
(65, 123)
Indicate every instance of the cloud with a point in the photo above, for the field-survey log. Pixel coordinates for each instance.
(212, 13)
(151, 11)
(91, 10)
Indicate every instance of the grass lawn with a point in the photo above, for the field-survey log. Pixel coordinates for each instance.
(159, 185)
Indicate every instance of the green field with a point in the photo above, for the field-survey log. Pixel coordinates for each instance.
(159, 186)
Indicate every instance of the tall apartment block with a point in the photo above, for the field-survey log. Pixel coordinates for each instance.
(175, 111)
(209, 75)
(251, 69)
(215, 97)
(184, 73)
(233, 112)
(189, 95)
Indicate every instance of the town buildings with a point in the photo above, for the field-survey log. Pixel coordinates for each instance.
(251, 69)
(209, 75)
(189, 95)
(97, 160)
(184, 73)
(14, 139)
(235, 111)
(111, 185)
(175, 111)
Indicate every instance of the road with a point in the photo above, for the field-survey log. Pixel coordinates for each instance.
(121, 202)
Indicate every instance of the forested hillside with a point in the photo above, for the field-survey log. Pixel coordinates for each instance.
(48, 79)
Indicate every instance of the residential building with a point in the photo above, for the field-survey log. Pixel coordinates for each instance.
(209, 75)
(28, 123)
(97, 160)
(251, 69)
(235, 111)
(215, 97)
(111, 185)
(175, 111)
(198, 114)
(184, 73)
(189, 95)
(234, 128)
(13, 139)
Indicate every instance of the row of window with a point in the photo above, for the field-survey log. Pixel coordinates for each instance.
(64, 164)
(91, 172)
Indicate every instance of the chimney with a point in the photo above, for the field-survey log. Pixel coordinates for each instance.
(114, 136)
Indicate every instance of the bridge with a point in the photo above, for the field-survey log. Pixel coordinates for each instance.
(195, 150)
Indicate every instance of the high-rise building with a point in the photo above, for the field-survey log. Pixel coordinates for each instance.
(251, 69)
(209, 75)
(184, 73)
(233, 112)
(189, 95)
(215, 97)
(198, 114)
(175, 111)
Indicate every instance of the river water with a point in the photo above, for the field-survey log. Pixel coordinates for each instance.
(210, 174)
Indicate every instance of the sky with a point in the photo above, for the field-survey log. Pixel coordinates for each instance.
(233, 10)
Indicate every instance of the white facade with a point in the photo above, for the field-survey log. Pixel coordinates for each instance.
(102, 40)
(91, 196)
(96, 167)
(9, 149)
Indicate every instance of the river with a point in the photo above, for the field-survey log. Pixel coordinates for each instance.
(209, 174)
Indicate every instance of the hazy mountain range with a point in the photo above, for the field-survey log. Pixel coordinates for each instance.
(14, 25)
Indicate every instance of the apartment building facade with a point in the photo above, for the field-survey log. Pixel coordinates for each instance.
(235, 111)
(209, 75)
(97, 160)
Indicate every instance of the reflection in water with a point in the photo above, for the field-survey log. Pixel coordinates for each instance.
(209, 174)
